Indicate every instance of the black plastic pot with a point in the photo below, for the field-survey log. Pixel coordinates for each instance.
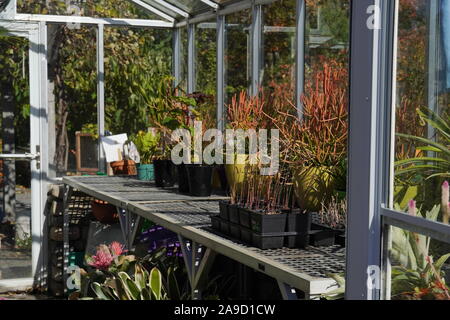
(244, 217)
(223, 210)
(233, 213)
(267, 242)
(246, 235)
(200, 180)
(268, 223)
(321, 236)
(215, 222)
(220, 169)
(164, 173)
(301, 224)
(224, 227)
(340, 238)
(235, 231)
(183, 181)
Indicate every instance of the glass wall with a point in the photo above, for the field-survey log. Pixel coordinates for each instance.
(327, 35)
(137, 64)
(421, 171)
(183, 59)
(206, 70)
(422, 123)
(279, 49)
(237, 53)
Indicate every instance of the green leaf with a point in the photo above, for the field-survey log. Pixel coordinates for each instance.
(155, 283)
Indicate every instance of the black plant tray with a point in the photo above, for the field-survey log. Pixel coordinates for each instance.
(340, 239)
(235, 231)
(223, 210)
(271, 240)
(233, 213)
(244, 217)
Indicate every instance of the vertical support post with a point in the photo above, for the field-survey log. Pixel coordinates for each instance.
(191, 59)
(433, 60)
(300, 55)
(256, 44)
(369, 143)
(220, 72)
(177, 55)
(43, 165)
(100, 95)
(38, 144)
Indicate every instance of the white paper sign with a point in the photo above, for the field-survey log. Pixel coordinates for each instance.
(113, 147)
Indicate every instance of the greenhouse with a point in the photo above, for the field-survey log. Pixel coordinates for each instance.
(225, 150)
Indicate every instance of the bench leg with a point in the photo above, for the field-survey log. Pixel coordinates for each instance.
(199, 261)
(287, 291)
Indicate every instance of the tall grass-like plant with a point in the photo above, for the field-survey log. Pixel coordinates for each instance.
(425, 165)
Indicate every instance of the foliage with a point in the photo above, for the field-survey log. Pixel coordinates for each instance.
(425, 165)
(143, 285)
(15, 79)
(421, 284)
(334, 213)
(416, 276)
(147, 144)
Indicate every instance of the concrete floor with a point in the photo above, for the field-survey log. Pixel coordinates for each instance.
(16, 263)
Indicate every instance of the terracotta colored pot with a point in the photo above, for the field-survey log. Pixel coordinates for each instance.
(104, 212)
(124, 167)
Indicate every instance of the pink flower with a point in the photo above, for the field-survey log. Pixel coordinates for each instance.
(103, 259)
(412, 208)
(445, 196)
(116, 248)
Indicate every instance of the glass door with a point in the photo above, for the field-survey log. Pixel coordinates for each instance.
(23, 127)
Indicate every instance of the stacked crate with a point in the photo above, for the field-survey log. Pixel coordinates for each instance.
(80, 216)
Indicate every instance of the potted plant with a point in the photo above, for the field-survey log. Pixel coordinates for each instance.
(199, 174)
(315, 146)
(328, 225)
(147, 144)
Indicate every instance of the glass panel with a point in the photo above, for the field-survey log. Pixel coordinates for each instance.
(137, 61)
(184, 58)
(420, 268)
(73, 105)
(422, 122)
(99, 8)
(15, 176)
(237, 52)
(327, 35)
(190, 6)
(206, 69)
(279, 47)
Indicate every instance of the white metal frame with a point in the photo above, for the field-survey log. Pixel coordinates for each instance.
(36, 33)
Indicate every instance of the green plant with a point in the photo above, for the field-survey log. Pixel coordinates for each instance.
(147, 145)
(410, 249)
(422, 283)
(143, 285)
(429, 166)
(90, 128)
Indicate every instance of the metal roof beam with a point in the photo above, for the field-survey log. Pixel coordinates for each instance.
(172, 8)
(210, 3)
(93, 21)
(147, 7)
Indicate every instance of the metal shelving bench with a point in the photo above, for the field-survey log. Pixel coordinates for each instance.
(304, 269)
